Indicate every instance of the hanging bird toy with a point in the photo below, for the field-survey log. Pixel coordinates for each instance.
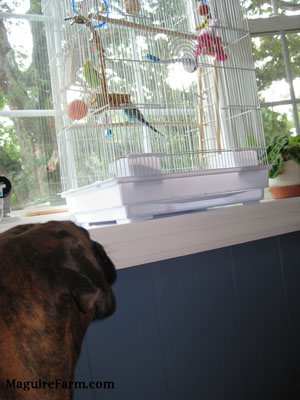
(77, 6)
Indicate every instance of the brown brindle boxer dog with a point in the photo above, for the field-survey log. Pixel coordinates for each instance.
(54, 280)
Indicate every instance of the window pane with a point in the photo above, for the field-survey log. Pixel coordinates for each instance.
(278, 120)
(26, 80)
(21, 6)
(30, 161)
(293, 41)
(270, 68)
(298, 109)
(288, 7)
(28, 147)
(258, 9)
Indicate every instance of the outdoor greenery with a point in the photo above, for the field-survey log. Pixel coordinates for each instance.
(269, 59)
(270, 68)
(259, 7)
(275, 123)
(282, 148)
(27, 145)
(10, 157)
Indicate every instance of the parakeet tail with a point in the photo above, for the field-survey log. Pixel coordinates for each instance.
(151, 127)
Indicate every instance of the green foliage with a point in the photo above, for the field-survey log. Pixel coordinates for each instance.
(2, 101)
(26, 188)
(9, 6)
(282, 148)
(269, 59)
(260, 7)
(276, 123)
(10, 157)
(22, 176)
(255, 8)
(294, 149)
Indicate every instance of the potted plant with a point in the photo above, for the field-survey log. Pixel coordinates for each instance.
(284, 155)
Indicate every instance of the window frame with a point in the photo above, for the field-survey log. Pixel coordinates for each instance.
(280, 25)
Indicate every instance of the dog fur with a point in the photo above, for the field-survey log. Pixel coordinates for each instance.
(54, 280)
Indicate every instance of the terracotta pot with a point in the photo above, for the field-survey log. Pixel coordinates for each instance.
(284, 192)
(287, 184)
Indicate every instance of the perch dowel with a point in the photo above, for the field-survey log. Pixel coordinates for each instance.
(208, 105)
(134, 25)
(46, 212)
(100, 52)
(217, 113)
(201, 114)
(206, 73)
(127, 123)
(207, 89)
(212, 121)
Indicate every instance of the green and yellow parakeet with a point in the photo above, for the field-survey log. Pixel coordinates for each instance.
(91, 75)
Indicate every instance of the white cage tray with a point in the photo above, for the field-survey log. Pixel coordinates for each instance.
(132, 198)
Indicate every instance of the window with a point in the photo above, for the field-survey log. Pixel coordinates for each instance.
(28, 149)
(276, 43)
(28, 146)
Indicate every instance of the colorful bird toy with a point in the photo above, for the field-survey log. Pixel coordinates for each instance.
(77, 6)
(210, 44)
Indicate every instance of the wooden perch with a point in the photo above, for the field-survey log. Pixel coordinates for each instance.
(217, 112)
(134, 124)
(200, 113)
(100, 52)
(46, 212)
(141, 27)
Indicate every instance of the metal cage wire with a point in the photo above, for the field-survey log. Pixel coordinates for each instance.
(186, 67)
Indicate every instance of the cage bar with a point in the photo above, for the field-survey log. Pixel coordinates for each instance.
(145, 91)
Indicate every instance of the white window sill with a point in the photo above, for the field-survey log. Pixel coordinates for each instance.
(154, 240)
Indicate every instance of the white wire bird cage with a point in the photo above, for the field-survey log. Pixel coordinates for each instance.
(156, 106)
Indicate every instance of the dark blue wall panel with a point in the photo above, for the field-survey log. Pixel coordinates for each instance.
(223, 324)
(289, 248)
(126, 348)
(266, 351)
(84, 374)
(198, 320)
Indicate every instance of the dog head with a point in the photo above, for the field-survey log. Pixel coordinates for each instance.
(59, 260)
(54, 280)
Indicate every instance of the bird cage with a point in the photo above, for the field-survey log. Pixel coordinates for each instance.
(156, 106)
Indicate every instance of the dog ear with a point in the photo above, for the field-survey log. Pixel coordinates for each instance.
(105, 263)
(81, 288)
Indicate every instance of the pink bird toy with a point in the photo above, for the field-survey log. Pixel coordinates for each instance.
(211, 44)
